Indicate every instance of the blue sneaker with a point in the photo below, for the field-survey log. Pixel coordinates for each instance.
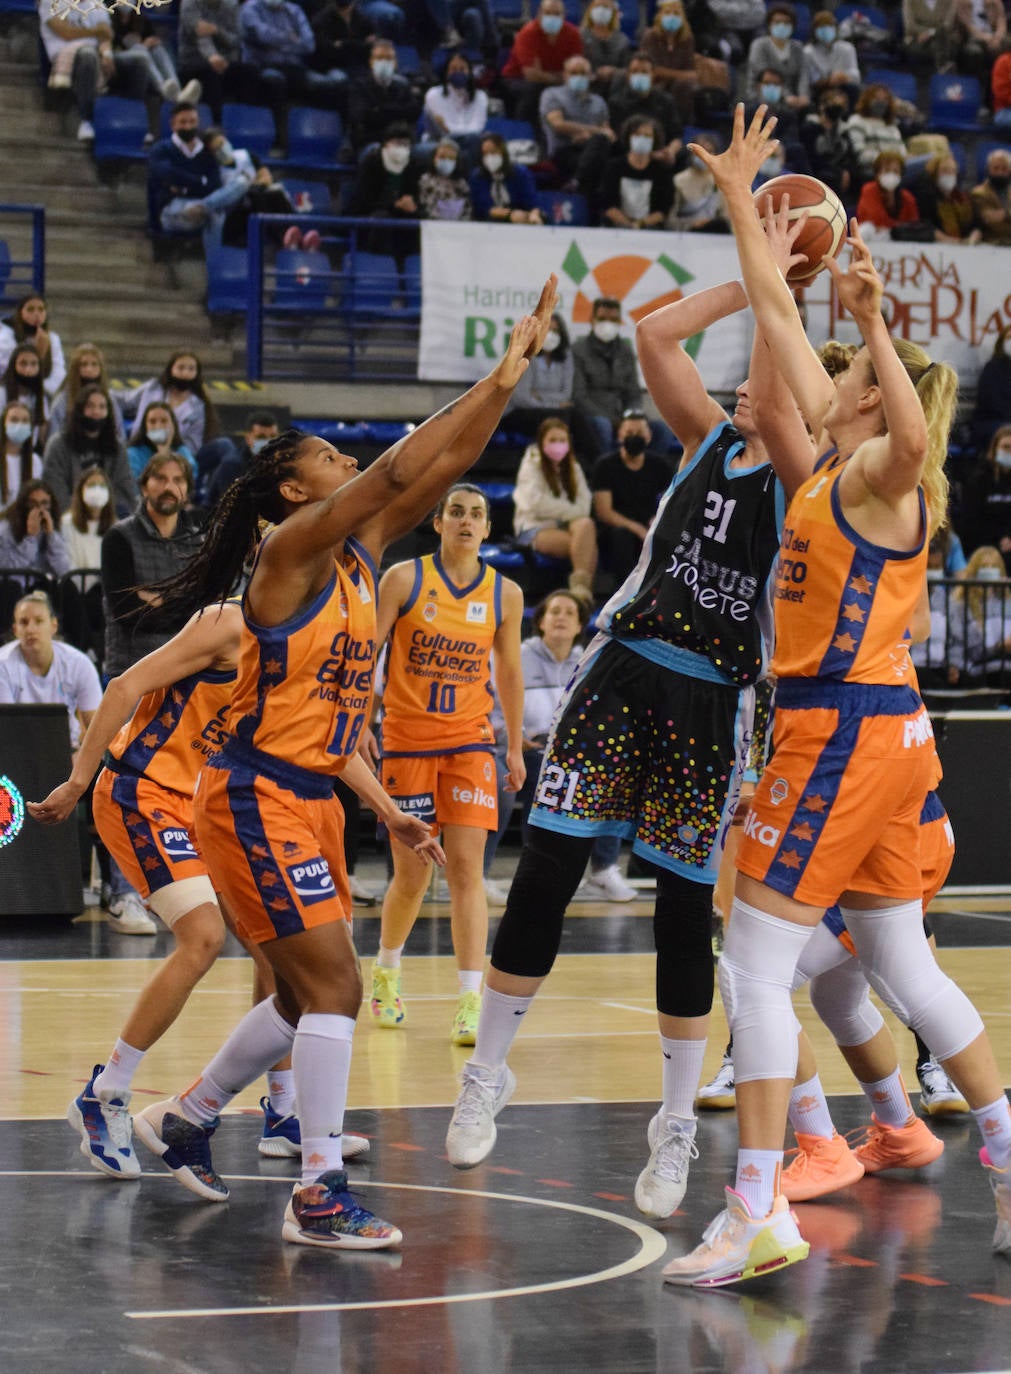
(106, 1131)
(182, 1147)
(282, 1137)
(325, 1214)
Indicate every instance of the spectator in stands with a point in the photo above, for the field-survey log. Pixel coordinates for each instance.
(1000, 87)
(38, 668)
(261, 427)
(277, 44)
(980, 31)
(993, 391)
(537, 58)
(991, 199)
(606, 380)
(29, 323)
(79, 47)
(185, 184)
(635, 93)
(826, 139)
(388, 188)
(159, 437)
(670, 45)
(637, 192)
(91, 513)
(575, 124)
(443, 190)
(181, 383)
(605, 47)
(152, 544)
(979, 621)
(698, 203)
(943, 203)
(778, 50)
(457, 108)
(552, 505)
(263, 195)
(475, 20)
(22, 381)
(30, 531)
(627, 486)
(501, 190)
(343, 34)
(738, 23)
(830, 62)
(88, 440)
(210, 48)
(379, 97)
(22, 459)
(133, 31)
(986, 504)
(928, 33)
(884, 203)
(772, 91)
(873, 128)
(545, 389)
(85, 368)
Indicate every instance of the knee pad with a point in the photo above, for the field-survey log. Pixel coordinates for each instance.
(760, 955)
(682, 934)
(822, 952)
(901, 968)
(842, 998)
(530, 931)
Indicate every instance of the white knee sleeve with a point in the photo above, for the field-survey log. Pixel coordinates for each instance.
(756, 973)
(821, 953)
(842, 999)
(902, 970)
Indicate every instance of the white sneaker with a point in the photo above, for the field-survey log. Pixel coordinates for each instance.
(719, 1093)
(191, 93)
(608, 882)
(661, 1185)
(737, 1246)
(170, 89)
(127, 915)
(85, 132)
(1001, 1185)
(472, 1132)
(497, 893)
(938, 1095)
(361, 893)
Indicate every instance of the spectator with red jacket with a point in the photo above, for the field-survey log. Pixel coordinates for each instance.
(883, 202)
(539, 52)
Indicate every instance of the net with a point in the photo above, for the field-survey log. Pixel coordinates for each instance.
(61, 9)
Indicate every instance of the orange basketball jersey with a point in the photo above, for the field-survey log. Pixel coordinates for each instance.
(839, 597)
(438, 694)
(174, 730)
(304, 689)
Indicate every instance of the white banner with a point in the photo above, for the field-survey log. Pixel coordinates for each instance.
(477, 279)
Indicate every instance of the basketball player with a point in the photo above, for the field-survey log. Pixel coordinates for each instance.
(448, 611)
(836, 814)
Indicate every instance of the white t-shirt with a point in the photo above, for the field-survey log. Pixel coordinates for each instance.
(86, 22)
(72, 681)
(14, 470)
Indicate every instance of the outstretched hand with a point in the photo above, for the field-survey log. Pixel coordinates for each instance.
(516, 358)
(782, 232)
(738, 165)
(544, 309)
(859, 288)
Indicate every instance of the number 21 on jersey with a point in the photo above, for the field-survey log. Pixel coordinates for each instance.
(553, 780)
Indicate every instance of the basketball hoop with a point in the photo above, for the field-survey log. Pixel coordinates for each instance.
(62, 8)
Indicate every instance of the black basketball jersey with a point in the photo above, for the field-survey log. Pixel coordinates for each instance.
(702, 583)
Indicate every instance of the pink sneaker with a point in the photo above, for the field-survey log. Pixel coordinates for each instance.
(293, 237)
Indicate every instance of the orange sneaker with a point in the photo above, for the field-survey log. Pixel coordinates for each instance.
(898, 1147)
(821, 1166)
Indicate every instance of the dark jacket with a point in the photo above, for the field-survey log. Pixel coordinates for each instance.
(171, 174)
(606, 380)
(373, 107)
(519, 185)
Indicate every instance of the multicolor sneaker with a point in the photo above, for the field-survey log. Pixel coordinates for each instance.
(661, 1185)
(1000, 1182)
(106, 1130)
(386, 1006)
(718, 1094)
(325, 1214)
(898, 1147)
(472, 1130)
(938, 1095)
(737, 1246)
(182, 1147)
(820, 1166)
(282, 1136)
(468, 1013)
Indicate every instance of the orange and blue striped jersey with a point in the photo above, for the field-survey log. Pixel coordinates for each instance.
(174, 730)
(438, 695)
(843, 604)
(304, 688)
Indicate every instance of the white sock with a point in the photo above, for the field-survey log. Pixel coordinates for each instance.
(889, 1100)
(281, 1088)
(500, 1019)
(994, 1124)
(809, 1109)
(321, 1060)
(758, 1179)
(260, 1040)
(469, 979)
(682, 1069)
(389, 958)
(116, 1077)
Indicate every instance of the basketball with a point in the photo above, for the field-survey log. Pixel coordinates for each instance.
(825, 230)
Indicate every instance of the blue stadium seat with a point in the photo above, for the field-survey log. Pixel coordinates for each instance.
(802, 23)
(227, 281)
(408, 59)
(314, 138)
(954, 102)
(505, 9)
(5, 266)
(412, 284)
(510, 128)
(340, 433)
(629, 17)
(563, 207)
(302, 281)
(901, 84)
(308, 197)
(371, 283)
(120, 129)
(387, 432)
(204, 115)
(18, 7)
(503, 558)
(250, 127)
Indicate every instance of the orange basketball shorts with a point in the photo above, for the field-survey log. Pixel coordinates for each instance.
(445, 789)
(147, 829)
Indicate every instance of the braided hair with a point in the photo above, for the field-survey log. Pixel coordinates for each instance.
(233, 532)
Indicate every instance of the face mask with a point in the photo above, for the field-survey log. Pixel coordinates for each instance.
(551, 341)
(946, 183)
(383, 68)
(641, 144)
(640, 82)
(633, 444)
(878, 108)
(771, 94)
(95, 497)
(999, 181)
(91, 427)
(224, 152)
(182, 383)
(825, 33)
(157, 437)
(18, 431)
(578, 83)
(445, 166)
(395, 158)
(989, 574)
(187, 135)
(835, 112)
(1002, 457)
(492, 162)
(605, 330)
(670, 23)
(551, 24)
(460, 80)
(601, 14)
(258, 445)
(889, 180)
(781, 30)
(556, 449)
(771, 167)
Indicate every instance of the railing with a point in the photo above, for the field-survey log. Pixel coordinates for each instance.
(968, 652)
(22, 251)
(349, 312)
